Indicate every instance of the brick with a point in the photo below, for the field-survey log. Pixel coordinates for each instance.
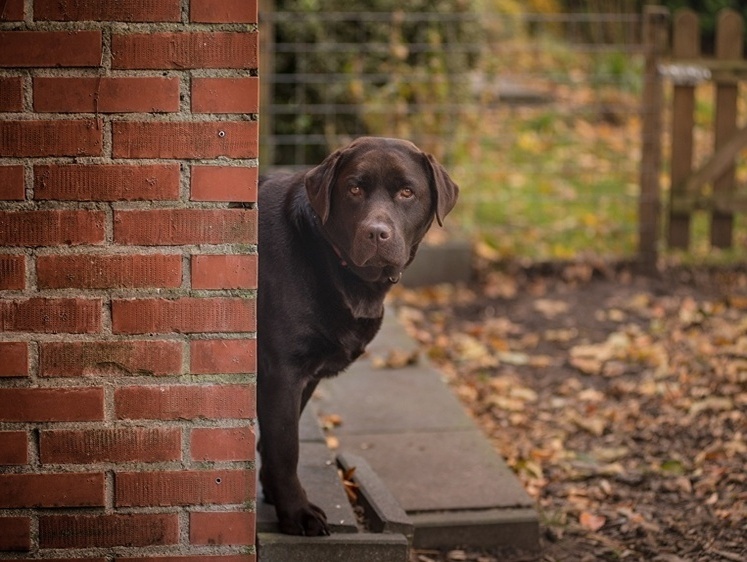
(14, 359)
(227, 357)
(218, 183)
(16, 535)
(83, 137)
(11, 93)
(132, 94)
(50, 48)
(51, 404)
(222, 444)
(55, 316)
(224, 11)
(141, 357)
(127, 444)
(230, 50)
(11, 183)
(224, 271)
(12, 272)
(186, 487)
(51, 490)
(225, 95)
(177, 227)
(106, 531)
(92, 271)
(174, 139)
(185, 315)
(109, 182)
(13, 448)
(185, 402)
(12, 10)
(222, 528)
(51, 228)
(96, 10)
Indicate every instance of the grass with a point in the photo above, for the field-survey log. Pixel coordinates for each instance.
(560, 180)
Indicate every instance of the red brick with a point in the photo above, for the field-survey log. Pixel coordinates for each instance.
(143, 489)
(109, 182)
(51, 490)
(225, 95)
(217, 183)
(185, 315)
(106, 531)
(14, 448)
(224, 11)
(181, 139)
(185, 402)
(217, 49)
(16, 535)
(11, 183)
(51, 404)
(222, 528)
(228, 357)
(12, 272)
(11, 93)
(66, 316)
(143, 357)
(130, 94)
(224, 271)
(222, 444)
(51, 228)
(200, 558)
(14, 359)
(126, 444)
(96, 10)
(176, 227)
(50, 138)
(92, 271)
(12, 10)
(50, 48)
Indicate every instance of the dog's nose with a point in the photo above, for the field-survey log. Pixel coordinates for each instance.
(379, 231)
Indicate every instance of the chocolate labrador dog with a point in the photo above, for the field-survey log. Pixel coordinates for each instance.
(332, 242)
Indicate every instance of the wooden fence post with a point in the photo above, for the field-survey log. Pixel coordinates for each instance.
(685, 45)
(654, 35)
(728, 47)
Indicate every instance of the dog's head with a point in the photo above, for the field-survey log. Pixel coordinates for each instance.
(376, 199)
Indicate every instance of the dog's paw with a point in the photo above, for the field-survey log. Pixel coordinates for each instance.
(308, 521)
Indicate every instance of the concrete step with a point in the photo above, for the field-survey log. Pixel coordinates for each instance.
(386, 537)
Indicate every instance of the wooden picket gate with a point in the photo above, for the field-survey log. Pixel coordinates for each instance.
(711, 187)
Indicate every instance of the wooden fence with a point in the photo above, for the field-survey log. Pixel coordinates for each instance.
(712, 186)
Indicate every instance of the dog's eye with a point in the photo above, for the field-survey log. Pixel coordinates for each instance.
(355, 190)
(406, 193)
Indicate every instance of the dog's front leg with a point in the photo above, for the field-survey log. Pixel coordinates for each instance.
(279, 408)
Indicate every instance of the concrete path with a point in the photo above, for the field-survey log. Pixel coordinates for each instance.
(413, 432)
(417, 451)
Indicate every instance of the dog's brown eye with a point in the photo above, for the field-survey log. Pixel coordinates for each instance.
(406, 193)
(355, 190)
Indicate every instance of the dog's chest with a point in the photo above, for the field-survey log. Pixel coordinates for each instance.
(344, 347)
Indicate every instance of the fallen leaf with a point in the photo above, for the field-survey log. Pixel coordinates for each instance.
(591, 521)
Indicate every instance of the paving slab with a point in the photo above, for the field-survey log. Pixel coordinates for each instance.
(416, 436)
(362, 547)
(439, 470)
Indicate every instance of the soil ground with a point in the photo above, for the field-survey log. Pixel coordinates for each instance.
(619, 400)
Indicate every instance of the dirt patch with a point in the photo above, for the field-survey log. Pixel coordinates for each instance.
(618, 400)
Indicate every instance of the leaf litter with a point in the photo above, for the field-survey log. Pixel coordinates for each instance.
(619, 401)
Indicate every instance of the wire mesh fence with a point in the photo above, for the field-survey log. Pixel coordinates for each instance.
(536, 116)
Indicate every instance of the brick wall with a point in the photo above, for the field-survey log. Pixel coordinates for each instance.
(128, 147)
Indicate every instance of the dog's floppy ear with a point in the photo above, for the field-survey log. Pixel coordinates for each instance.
(443, 188)
(319, 181)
